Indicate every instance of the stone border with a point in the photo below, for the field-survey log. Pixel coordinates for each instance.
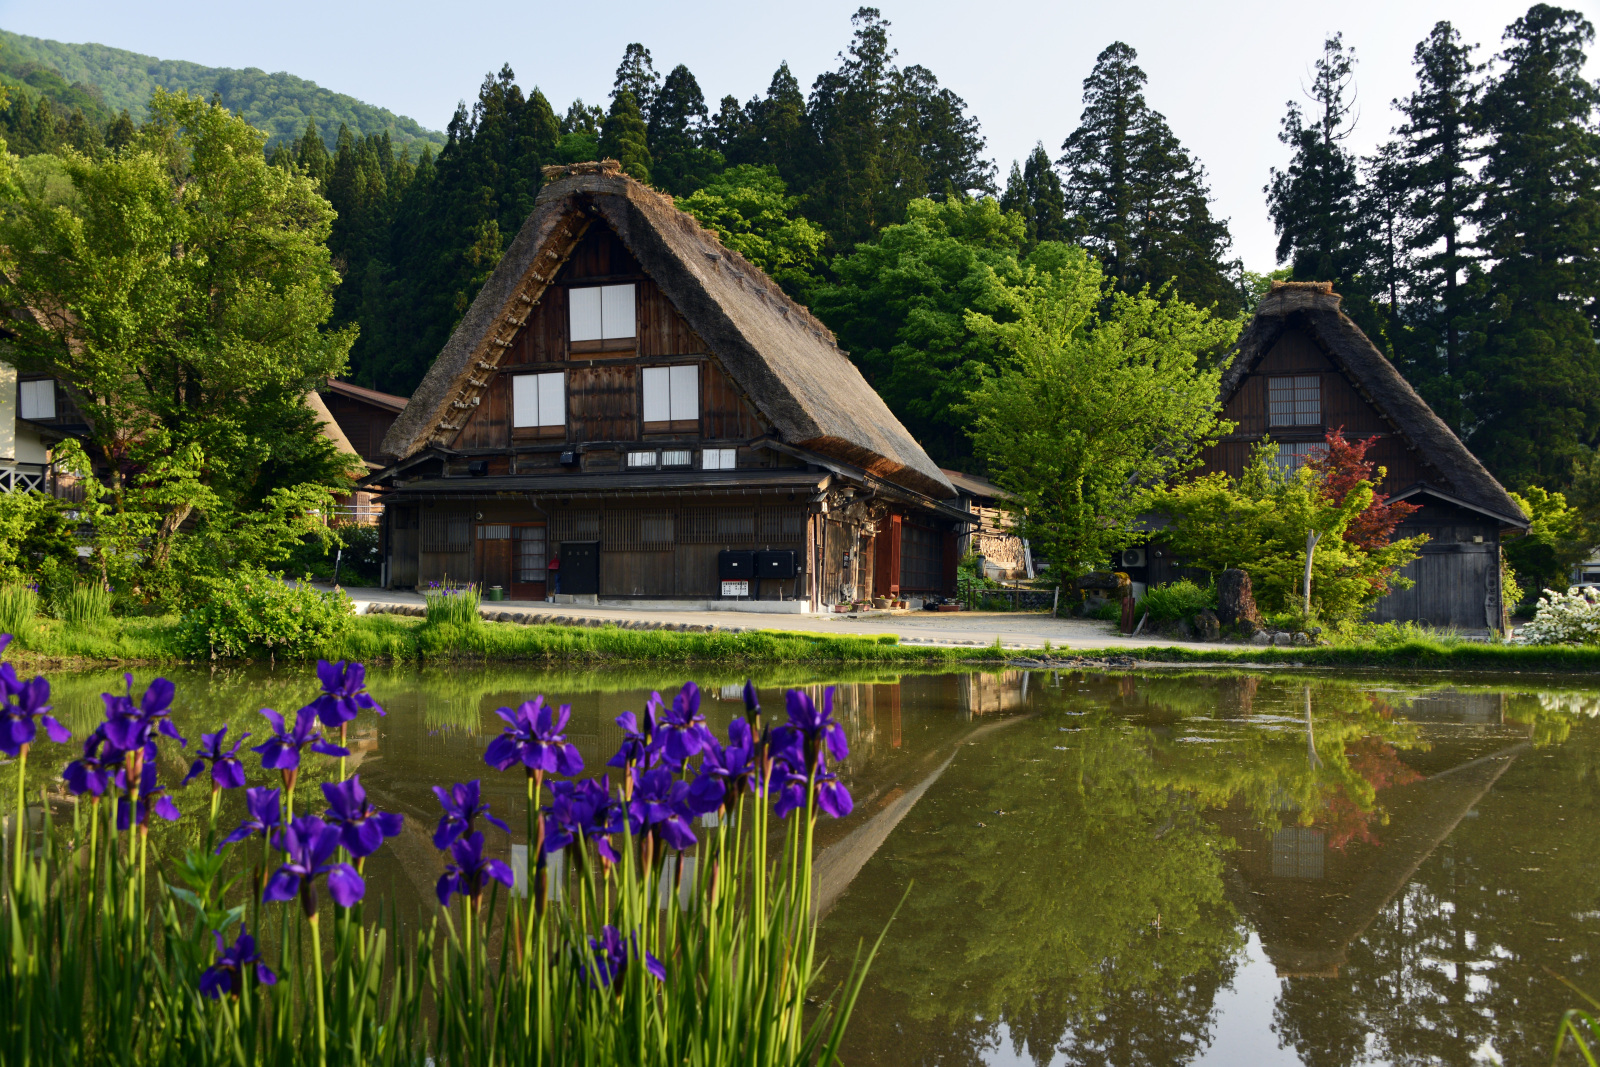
(529, 618)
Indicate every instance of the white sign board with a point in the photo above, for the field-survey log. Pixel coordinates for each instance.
(735, 588)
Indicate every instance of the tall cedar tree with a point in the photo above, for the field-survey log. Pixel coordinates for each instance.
(636, 74)
(1136, 198)
(883, 137)
(624, 139)
(1534, 382)
(680, 162)
(1034, 191)
(1314, 202)
(1437, 139)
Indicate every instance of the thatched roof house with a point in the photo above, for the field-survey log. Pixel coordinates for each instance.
(1302, 369)
(619, 372)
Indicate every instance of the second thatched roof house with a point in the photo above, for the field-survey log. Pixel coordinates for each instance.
(1301, 369)
(630, 410)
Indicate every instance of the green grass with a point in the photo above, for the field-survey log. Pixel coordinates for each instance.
(1411, 655)
(87, 605)
(19, 606)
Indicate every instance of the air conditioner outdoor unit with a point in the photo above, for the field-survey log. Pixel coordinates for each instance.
(1133, 557)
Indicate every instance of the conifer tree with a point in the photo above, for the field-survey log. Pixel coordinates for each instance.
(311, 155)
(121, 130)
(1134, 195)
(676, 134)
(636, 74)
(1313, 201)
(1034, 191)
(623, 137)
(1437, 141)
(1533, 385)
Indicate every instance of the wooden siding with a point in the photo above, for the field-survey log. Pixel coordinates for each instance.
(1342, 406)
(363, 424)
(603, 403)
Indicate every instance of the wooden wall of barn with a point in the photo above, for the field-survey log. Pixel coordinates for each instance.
(1298, 353)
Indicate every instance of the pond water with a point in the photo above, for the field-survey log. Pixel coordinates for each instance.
(1126, 869)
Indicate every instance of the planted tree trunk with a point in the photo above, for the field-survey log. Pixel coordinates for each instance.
(1312, 537)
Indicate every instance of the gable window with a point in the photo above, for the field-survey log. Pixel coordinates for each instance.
(717, 459)
(539, 404)
(641, 459)
(1292, 455)
(601, 313)
(1294, 401)
(37, 399)
(677, 458)
(671, 399)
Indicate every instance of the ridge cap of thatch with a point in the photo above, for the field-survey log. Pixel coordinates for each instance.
(1315, 306)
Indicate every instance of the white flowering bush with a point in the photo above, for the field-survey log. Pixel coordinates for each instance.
(1570, 618)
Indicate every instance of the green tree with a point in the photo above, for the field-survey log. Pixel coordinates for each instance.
(1437, 139)
(899, 308)
(676, 135)
(1085, 408)
(636, 74)
(750, 209)
(1135, 197)
(1533, 386)
(1313, 202)
(1557, 538)
(623, 137)
(1034, 191)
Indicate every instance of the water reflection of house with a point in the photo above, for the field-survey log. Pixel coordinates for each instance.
(1309, 900)
(990, 694)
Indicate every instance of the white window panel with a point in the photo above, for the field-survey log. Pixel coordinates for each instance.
(616, 311)
(37, 399)
(538, 400)
(657, 398)
(717, 459)
(552, 399)
(587, 323)
(685, 390)
(641, 459)
(677, 458)
(1294, 401)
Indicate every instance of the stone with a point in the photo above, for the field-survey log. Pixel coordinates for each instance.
(1302, 639)
(1282, 640)
(1236, 605)
(1206, 626)
(1261, 637)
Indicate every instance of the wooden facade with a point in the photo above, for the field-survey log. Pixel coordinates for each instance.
(635, 461)
(1303, 370)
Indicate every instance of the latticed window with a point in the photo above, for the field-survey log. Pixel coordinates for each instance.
(783, 524)
(1294, 401)
(577, 526)
(718, 526)
(529, 553)
(1292, 455)
(446, 532)
(637, 529)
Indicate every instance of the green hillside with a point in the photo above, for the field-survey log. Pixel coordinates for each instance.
(277, 103)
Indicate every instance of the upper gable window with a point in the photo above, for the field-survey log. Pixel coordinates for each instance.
(601, 313)
(37, 399)
(1294, 401)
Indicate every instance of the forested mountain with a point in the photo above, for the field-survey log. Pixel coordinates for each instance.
(105, 81)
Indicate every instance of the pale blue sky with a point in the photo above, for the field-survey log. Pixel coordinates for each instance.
(1220, 72)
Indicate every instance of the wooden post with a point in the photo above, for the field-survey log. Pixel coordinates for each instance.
(1055, 605)
(1127, 615)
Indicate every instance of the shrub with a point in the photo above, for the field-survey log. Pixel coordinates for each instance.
(1570, 618)
(452, 605)
(256, 611)
(19, 604)
(1177, 600)
(1110, 611)
(84, 605)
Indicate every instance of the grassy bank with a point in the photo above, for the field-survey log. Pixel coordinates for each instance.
(398, 639)
(1410, 655)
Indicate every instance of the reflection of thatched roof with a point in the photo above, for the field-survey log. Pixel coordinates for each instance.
(780, 356)
(1314, 306)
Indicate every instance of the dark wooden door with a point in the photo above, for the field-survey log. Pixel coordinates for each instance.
(886, 564)
(494, 556)
(580, 567)
(529, 561)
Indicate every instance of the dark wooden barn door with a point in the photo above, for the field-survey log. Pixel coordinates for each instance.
(580, 567)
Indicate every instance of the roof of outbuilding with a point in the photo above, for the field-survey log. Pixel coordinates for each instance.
(776, 351)
(1315, 306)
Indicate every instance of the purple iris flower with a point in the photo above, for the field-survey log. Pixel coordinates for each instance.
(611, 958)
(282, 752)
(726, 771)
(149, 791)
(344, 694)
(533, 738)
(461, 807)
(752, 706)
(130, 726)
(264, 813)
(661, 804)
(310, 844)
(468, 869)
(226, 770)
(791, 783)
(583, 810)
(812, 726)
(96, 770)
(638, 736)
(681, 731)
(362, 827)
(227, 974)
(24, 706)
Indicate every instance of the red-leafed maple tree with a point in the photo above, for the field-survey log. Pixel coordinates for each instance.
(1339, 467)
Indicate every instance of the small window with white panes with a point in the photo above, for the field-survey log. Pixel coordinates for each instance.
(601, 316)
(718, 459)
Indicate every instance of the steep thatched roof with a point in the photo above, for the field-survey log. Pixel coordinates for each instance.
(1314, 306)
(778, 354)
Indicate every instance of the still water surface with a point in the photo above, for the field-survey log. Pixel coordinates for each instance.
(1203, 868)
